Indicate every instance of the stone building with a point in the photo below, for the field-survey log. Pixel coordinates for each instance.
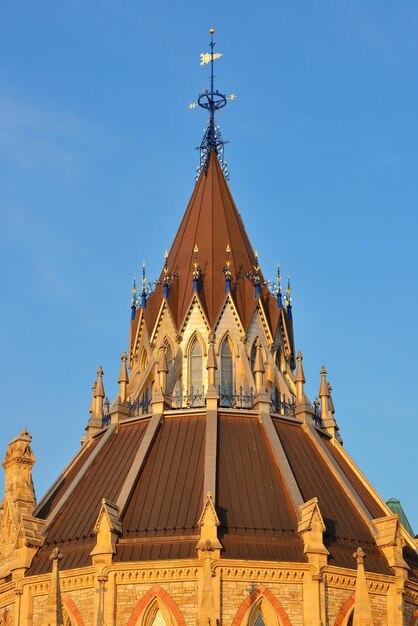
(212, 490)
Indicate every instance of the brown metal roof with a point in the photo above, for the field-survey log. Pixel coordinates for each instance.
(72, 529)
(66, 479)
(168, 497)
(376, 510)
(212, 222)
(345, 528)
(258, 520)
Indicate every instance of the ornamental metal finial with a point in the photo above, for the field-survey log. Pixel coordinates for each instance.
(144, 291)
(288, 298)
(212, 100)
(168, 277)
(276, 287)
(227, 269)
(254, 276)
(134, 299)
(196, 269)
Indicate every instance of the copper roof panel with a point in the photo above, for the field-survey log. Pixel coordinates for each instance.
(168, 497)
(345, 528)
(67, 479)
(105, 478)
(375, 509)
(212, 222)
(252, 499)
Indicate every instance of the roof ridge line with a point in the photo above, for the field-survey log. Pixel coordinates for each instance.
(180, 306)
(340, 476)
(80, 474)
(138, 462)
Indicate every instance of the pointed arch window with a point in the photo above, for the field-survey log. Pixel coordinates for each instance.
(280, 359)
(259, 619)
(170, 362)
(226, 373)
(253, 355)
(158, 619)
(195, 370)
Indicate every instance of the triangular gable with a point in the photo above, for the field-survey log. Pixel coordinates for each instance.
(195, 300)
(158, 322)
(264, 322)
(230, 301)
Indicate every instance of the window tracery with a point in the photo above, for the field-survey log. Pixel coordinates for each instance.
(170, 362)
(259, 620)
(195, 367)
(226, 372)
(253, 355)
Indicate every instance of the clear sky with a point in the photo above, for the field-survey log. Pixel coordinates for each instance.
(97, 164)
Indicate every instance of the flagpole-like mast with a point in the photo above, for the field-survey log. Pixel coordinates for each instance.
(211, 100)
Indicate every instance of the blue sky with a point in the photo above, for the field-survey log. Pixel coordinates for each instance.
(97, 164)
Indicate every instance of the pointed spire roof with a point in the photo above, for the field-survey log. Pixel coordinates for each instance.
(211, 222)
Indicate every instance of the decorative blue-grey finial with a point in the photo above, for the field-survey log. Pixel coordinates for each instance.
(168, 277)
(288, 299)
(279, 287)
(227, 269)
(144, 292)
(211, 100)
(254, 276)
(134, 299)
(196, 270)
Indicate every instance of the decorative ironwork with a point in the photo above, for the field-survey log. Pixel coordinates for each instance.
(146, 291)
(276, 288)
(135, 299)
(317, 417)
(227, 269)
(168, 277)
(280, 404)
(140, 406)
(241, 400)
(106, 415)
(211, 100)
(254, 276)
(193, 400)
(288, 299)
(196, 269)
(105, 420)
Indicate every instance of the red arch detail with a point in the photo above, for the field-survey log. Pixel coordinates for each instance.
(414, 617)
(344, 610)
(73, 609)
(253, 597)
(6, 617)
(157, 592)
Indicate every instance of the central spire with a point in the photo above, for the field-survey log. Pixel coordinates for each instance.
(211, 100)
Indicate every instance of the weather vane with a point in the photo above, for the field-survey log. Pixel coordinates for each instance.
(212, 100)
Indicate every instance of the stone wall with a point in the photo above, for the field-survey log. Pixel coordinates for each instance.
(379, 609)
(409, 610)
(334, 602)
(39, 607)
(236, 592)
(183, 593)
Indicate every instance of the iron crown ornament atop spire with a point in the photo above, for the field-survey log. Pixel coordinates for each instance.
(211, 100)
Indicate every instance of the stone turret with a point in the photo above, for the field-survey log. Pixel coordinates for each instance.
(20, 532)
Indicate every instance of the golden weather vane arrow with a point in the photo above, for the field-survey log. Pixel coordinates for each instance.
(212, 100)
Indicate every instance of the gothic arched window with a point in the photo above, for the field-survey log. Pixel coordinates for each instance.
(226, 373)
(253, 355)
(158, 619)
(195, 368)
(170, 361)
(259, 620)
